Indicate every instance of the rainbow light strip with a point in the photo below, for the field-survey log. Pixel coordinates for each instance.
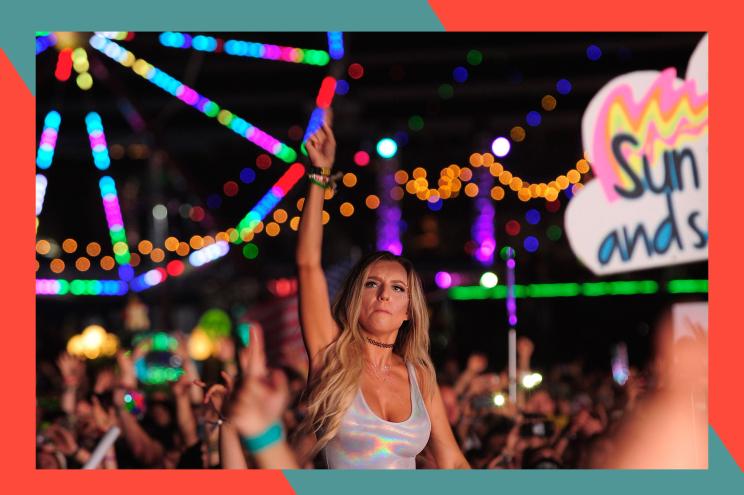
(113, 218)
(270, 200)
(97, 141)
(78, 287)
(316, 120)
(194, 99)
(336, 44)
(323, 101)
(48, 140)
(44, 42)
(245, 48)
(483, 230)
(664, 118)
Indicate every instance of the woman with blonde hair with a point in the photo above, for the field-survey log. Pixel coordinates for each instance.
(373, 400)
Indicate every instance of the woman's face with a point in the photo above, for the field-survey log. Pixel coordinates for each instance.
(385, 296)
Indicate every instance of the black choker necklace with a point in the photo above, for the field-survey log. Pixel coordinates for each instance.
(380, 344)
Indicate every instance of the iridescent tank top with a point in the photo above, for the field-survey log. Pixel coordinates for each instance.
(365, 441)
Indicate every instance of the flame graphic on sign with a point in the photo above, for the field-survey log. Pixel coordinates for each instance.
(665, 118)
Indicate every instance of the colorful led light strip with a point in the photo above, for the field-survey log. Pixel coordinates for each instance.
(245, 48)
(64, 65)
(97, 141)
(209, 253)
(269, 201)
(148, 279)
(326, 92)
(192, 98)
(316, 120)
(48, 141)
(323, 101)
(336, 45)
(483, 229)
(115, 224)
(44, 42)
(588, 289)
(77, 287)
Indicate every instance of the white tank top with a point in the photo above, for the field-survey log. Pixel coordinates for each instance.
(365, 441)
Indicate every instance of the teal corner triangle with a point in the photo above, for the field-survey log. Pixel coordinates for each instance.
(722, 478)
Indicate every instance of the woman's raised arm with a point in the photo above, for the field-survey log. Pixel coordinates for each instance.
(318, 327)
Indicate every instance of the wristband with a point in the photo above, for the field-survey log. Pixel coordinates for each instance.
(272, 435)
(318, 183)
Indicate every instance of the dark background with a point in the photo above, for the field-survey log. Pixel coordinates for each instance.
(181, 156)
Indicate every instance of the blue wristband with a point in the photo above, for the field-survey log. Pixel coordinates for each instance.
(272, 435)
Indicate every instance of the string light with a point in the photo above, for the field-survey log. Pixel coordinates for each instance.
(453, 174)
(192, 98)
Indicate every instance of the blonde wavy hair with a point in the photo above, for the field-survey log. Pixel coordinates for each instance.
(335, 381)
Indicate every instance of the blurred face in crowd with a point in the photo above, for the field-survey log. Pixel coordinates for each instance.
(85, 425)
(449, 397)
(385, 300)
(160, 414)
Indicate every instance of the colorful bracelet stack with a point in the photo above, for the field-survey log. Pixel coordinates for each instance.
(271, 436)
(323, 181)
(322, 177)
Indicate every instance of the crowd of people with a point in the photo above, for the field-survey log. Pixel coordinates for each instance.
(573, 419)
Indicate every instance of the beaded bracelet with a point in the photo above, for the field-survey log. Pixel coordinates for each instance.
(324, 185)
(272, 435)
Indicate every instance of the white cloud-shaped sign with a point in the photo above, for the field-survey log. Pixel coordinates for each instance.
(646, 136)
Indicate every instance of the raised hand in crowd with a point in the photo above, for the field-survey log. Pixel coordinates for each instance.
(257, 407)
